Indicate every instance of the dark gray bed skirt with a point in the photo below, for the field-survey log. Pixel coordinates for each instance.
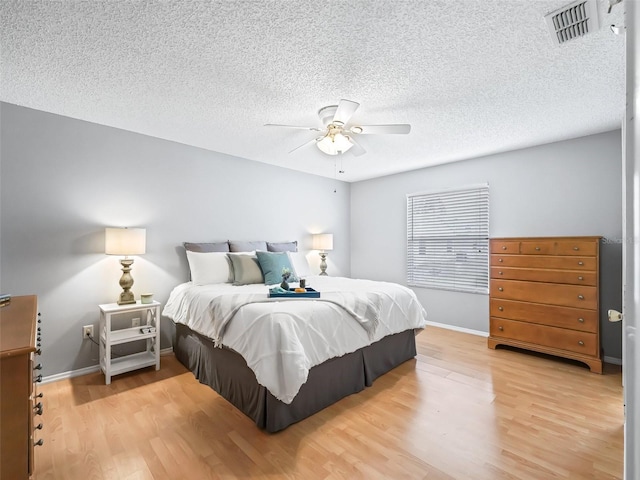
(227, 373)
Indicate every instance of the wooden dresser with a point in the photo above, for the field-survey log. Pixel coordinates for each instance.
(17, 391)
(544, 296)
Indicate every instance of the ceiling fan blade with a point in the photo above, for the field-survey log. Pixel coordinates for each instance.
(346, 108)
(305, 144)
(357, 149)
(398, 128)
(313, 129)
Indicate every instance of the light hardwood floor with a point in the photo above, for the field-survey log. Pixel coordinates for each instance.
(459, 410)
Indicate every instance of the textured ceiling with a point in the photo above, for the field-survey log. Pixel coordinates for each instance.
(472, 77)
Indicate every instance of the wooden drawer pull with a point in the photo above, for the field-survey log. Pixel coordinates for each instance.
(581, 297)
(581, 320)
(580, 342)
(500, 308)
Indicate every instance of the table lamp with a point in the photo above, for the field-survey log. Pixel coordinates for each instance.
(323, 242)
(125, 242)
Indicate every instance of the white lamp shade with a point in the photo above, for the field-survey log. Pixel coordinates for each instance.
(323, 241)
(334, 144)
(125, 241)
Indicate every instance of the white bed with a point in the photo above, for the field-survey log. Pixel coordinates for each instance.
(282, 360)
(282, 339)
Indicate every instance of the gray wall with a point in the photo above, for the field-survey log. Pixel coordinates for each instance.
(64, 180)
(559, 189)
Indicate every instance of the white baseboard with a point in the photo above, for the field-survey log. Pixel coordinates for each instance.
(458, 329)
(87, 370)
(612, 360)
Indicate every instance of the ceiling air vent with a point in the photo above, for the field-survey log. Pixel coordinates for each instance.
(572, 21)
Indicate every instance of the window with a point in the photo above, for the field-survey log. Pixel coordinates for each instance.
(448, 239)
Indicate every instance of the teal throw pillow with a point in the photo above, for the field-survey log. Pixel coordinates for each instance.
(272, 263)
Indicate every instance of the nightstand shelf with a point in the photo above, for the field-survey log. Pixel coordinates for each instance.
(131, 362)
(126, 335)
(149, 317)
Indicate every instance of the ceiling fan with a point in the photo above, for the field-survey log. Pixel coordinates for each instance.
(337, 136)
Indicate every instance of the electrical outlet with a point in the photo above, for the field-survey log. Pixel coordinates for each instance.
(87, 331)
(135, 322)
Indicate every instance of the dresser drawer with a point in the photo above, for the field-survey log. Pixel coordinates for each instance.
(572, 277)
(563, 317)
(545, 261)
(541, 247)
(576, 248)
(571, 340)
(502, 246)
(549, 293)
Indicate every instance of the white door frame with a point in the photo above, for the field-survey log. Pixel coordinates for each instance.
(631, 245)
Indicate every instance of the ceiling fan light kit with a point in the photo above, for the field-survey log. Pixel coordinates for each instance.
(333, 144)
(336, 139)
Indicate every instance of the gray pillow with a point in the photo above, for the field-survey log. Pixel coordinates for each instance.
(282, 246)
(236, 246)
(207, 247)
(246, 269)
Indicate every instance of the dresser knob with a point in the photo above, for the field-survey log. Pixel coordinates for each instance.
(500, 289)
(500, 260)
(499, 273)
(504, 247)
(580, 342)
(501, 328)
(580, 263)
(581, 320)
(581, 297)
(500, 308)
(38, 443)
(576, 248)
(538, 249)
(580, 278)
(39, 426)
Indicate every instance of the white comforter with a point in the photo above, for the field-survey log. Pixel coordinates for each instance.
(281, 339)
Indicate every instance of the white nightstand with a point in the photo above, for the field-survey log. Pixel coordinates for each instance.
(149, 319)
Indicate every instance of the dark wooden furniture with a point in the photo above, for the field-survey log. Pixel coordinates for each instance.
(18, 399)
(544, 296)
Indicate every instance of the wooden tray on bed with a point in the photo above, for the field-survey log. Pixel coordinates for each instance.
(310, 293)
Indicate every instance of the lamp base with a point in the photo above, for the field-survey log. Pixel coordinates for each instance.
(126, 298)
(126, 282)
(323, 264)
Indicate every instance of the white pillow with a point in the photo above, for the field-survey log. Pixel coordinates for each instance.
(209, 267)
(299, 263)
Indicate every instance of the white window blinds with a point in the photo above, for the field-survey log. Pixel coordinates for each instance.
(448, 239)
